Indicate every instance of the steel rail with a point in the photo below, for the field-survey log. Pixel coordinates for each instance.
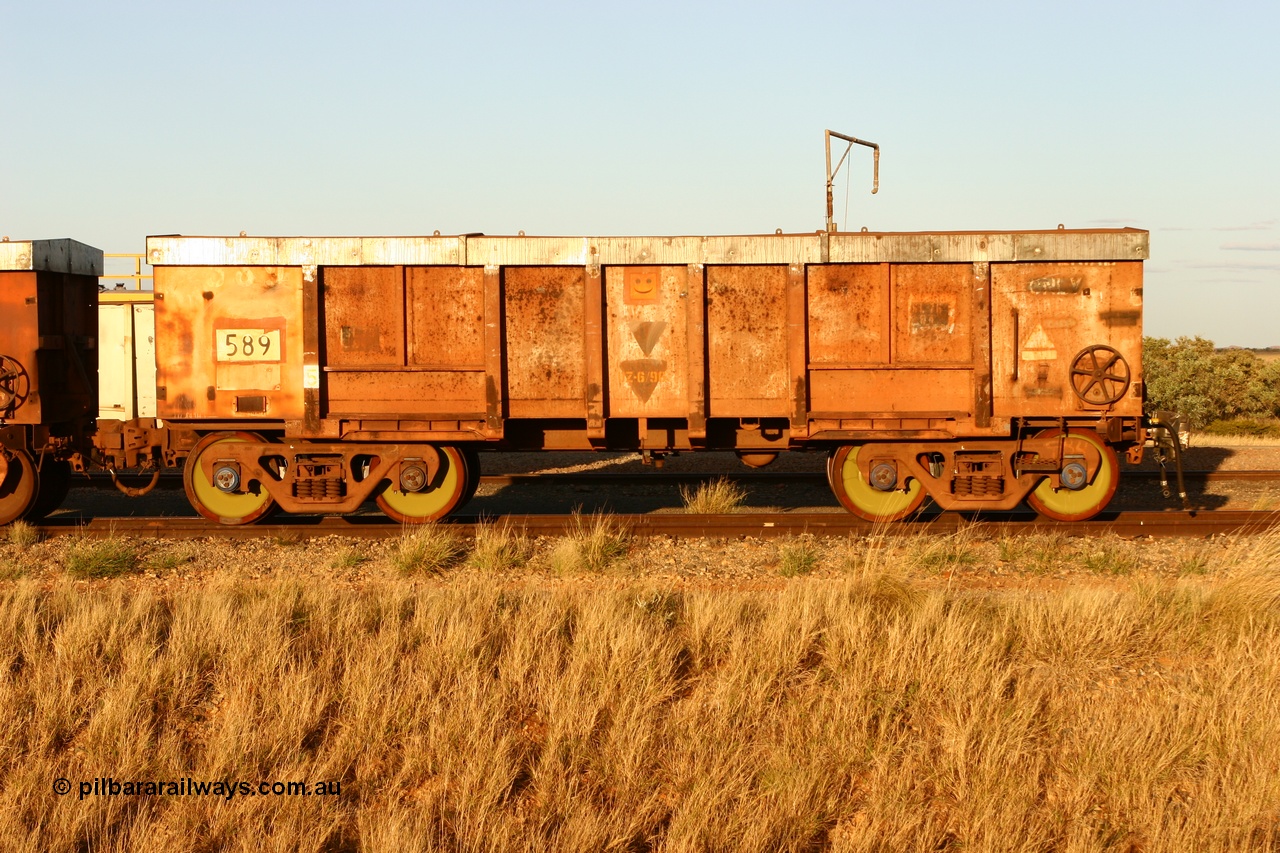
(757, 524)
(174, 480)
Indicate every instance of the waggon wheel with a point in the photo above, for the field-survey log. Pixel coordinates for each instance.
(1065, 504)
(472, 460)
(20, 487)
(55, 482)
(863, 499)
(446, 492)
(245, 506)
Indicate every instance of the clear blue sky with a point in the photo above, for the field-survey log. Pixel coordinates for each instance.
(127, 119)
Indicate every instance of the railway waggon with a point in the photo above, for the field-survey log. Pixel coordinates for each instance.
(978, 369)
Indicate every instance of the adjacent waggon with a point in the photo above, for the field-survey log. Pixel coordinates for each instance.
(979, 369)
(48, 370)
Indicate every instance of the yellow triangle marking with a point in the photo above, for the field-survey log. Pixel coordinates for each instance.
(1039, 347)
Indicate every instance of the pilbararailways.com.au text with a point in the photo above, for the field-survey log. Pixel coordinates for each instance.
(108, 786)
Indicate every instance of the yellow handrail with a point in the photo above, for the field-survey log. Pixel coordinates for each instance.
(137, 277)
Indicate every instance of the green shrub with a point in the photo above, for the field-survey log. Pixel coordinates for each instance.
(1245, 426)
(1191, 378)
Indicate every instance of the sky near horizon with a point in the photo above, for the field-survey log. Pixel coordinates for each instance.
(279, 118)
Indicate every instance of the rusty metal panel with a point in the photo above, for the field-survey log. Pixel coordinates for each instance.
(932, 313)
(364, 316)
(406, 393)
(229, 332)
(848, 314)
(849, 393)
(544, 320)
(747, 341)
(445, 307)
(1044, 315)
(648, 341)
(58, 256)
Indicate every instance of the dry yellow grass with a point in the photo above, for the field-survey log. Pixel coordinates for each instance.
(869, 711)
(713, 497)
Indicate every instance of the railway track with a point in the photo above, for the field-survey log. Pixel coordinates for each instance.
(757, 524)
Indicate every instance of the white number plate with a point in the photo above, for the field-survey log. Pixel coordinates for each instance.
(248, 344)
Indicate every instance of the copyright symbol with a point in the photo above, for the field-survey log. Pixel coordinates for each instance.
(61, 786)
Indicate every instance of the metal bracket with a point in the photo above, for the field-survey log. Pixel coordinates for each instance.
(831, 173)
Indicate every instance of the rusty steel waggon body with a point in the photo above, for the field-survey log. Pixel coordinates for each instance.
(312, 374)
(48, 370)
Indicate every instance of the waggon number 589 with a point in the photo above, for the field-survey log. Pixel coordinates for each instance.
(248, 344)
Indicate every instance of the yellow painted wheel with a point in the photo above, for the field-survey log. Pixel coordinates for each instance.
(1078, 505)
(20, 487)
(863, 499)
(250, 504)
(447, 491)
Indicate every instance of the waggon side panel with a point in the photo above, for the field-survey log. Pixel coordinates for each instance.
(848, 307)
(747, 360)
(648, 341)
(1043, 315)
(544, 314)
(229, 342)
(363, 316)
(894, 339)
(404, 341)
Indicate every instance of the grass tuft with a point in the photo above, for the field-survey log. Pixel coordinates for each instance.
(797, 555)
(946, 553)
(1109, 558)
(23, 534)
(171, 558)
(102, 558)
(427, 548)
(715, 497)
(499, 548)
(594, 545)
(349, 558)
(1039, 554)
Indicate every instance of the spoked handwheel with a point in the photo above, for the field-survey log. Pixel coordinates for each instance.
(246, 503)
(20, 487)
(861, 498)
(449, 489)
(1066, 504)
(15, 385)
(1099, 375)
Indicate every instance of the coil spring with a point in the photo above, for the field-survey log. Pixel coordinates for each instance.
(977, 486)
(320, 489)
